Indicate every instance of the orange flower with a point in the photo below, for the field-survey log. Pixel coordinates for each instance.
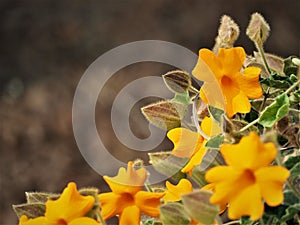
(248, 178)
(225, 86)
(189, 144)
(127, 198)
(69, 209)
(174, 192)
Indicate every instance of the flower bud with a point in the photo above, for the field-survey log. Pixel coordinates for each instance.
(177, 81)
(258, 29)
(227, 34)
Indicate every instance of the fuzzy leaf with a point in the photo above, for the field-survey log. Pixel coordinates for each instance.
(197, 204)
(177, 81)
(168, 164)
(30, 210)
(39, 197)
(165, 114)
(174, 213)
(275, 111)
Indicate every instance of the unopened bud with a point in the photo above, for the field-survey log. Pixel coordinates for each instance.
(228, 33)
(177, 81)
(165, 114)
(258, 29)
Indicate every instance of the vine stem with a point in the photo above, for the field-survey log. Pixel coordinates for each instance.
(262, 53)
(218, 220)
(233, 222)
(148, 187)
(248, 125)
(292, 87)
(195, 118)
(102, 221)
(255, 121)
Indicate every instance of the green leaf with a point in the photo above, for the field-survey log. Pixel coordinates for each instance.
(290, 198)
(281, 84)
(215, 113)
(295, 96)
(295, 171)
(197, 204)
(215, 142)
(274, 112)
(291, 161)
(289, 67)
(174, 213)
(182, 98)
(149, 222)
(245, 220)
(168, 164)
(290, 212)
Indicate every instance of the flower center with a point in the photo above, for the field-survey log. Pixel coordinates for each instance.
(226, 81)
(61, 222)
(129, 198)
(249, 175)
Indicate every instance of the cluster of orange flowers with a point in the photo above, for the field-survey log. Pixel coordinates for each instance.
(242, 185)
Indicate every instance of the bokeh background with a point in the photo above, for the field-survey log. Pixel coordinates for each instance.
(46, 46)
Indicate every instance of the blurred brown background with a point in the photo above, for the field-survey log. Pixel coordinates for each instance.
(47, 45)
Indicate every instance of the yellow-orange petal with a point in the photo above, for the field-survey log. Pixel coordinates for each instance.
(270, 180)
(148, 202)
(249, 82)
(230, 91)
(207, 63)
(113, 204)
(227, 182)
(174, 192)
(130, 215)
(240, 103)
(186, 142)
(36, 221)
(119, 188)
(247, 202)
(195, 160)
(129, 181)
(69, 205)
(249, 153)
(231, 59)
(203, 96)
(210, 127)
(84, 221)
